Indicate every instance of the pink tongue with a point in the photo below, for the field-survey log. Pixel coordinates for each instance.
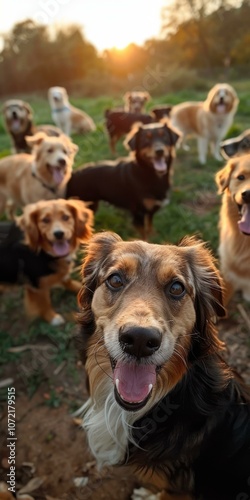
(15, 125)
(244, 223)
(221, 108)
(58, 175)
(160, 165)
(134, 381)
(61, 248)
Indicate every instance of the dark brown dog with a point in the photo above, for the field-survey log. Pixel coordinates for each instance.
(119, 123)
(18, 119)
(139, 183)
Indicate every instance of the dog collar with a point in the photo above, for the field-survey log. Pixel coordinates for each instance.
(53, 190)
(58, 110)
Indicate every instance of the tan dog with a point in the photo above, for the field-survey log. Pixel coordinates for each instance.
(135, 101)
(27, 178)
(41, 255)
(18, 120)
(66, 116)
(234, 249)
(209, 121)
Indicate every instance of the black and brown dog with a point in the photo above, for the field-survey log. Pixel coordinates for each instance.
(18, 121)
(119, 123)
(139, 183)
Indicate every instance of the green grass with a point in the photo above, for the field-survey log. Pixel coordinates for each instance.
(193, 209)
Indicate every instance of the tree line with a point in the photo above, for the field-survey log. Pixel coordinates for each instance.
(198, 36)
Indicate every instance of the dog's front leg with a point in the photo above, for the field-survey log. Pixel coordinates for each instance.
(202, 144)
(38, 303)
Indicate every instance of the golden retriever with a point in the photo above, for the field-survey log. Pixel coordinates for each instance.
(162, 399)
(18, 120)
(134, 101)
(66, 116)
(27, 178)
(208, 120)
(39, 252)
(234, 247)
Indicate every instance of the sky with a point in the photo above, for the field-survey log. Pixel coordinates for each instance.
(106, 23)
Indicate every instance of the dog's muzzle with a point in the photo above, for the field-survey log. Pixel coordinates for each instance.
(134, 379)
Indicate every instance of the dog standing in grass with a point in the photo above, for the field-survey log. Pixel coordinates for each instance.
(139, 183)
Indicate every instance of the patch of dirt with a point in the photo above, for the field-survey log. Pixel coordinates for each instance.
(203, 203)
(51, 445)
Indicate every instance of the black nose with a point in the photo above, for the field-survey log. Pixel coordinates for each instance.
(140, 342)
(246, 196)
(159, 151)
(221, 100)
(14, 114)
(62, 162)
(59, 235)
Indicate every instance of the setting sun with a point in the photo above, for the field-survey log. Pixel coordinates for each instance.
(105, 24)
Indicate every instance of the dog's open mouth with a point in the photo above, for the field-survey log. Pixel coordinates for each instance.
(160, 165)
(244, 222)
(133, 384)
(221, 108)
(60, 248)
(15, 124)
(57, 173)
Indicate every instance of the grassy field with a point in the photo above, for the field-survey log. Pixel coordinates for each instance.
(193, 209)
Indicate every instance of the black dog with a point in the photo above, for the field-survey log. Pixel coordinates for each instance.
(119, 123)
(138, 183)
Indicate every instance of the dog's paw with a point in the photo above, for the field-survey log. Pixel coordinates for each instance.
(57, 320)
(144, 494)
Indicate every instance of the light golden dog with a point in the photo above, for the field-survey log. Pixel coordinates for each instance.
(40, 249)
(209, 121)
(234, 248)
(134, 102)
(18, 121)
(27, 178)
(66, 116)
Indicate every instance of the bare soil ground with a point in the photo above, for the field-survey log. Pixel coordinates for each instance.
(51, 447)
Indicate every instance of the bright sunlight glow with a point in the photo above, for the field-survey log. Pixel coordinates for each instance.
(106, 23)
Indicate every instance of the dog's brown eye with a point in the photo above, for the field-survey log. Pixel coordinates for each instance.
(46, 220)
(176, 290)
(114, 282)
(241, 177)
(50, 150)
(65, 217)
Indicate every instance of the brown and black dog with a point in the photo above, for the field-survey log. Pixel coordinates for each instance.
(161, 397)
(139, 183)
(119, 123)
(18, 120)
(39, 249)
(135, 100)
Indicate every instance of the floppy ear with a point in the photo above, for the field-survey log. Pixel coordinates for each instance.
(173, 132)
(83, 219)
(28, 224)
(209, 295)
(98, 250)
(35, 140)
(222, 178)
(29, 109)
(131, 139)
(147, 97)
